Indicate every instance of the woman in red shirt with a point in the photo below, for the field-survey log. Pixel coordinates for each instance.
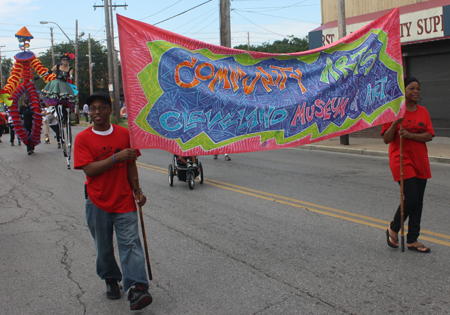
(416, 129)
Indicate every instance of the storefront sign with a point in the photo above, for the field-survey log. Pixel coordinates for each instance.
(415, 26)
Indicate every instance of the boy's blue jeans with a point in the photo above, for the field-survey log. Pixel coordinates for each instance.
(102, 225)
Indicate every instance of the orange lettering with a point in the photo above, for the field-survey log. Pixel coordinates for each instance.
(249, 88)
(266, 81)
(177, 74)
(278, 77)
(203, 77)
(299, 79)
(221, 75)
(283, 74)
(234, 77)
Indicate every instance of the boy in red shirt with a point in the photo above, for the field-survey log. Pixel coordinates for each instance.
(103, 153)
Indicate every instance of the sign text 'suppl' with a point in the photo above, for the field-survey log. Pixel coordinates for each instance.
(236, 78)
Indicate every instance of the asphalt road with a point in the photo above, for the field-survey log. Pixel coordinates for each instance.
(276, 232)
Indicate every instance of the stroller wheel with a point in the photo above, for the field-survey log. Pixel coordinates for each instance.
(200, 173)
(190, 180)
(170, 175)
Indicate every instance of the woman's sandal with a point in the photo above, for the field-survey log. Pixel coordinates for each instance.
(388, 236)
(421, 248)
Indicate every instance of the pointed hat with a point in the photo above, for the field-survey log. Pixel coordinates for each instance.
(23, 33)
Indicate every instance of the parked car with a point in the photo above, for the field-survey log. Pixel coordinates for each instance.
(123, 112)
(4, 113)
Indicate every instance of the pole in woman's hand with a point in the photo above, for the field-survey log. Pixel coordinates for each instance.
(402, 203)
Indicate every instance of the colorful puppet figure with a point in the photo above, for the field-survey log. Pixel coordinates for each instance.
(25, 62)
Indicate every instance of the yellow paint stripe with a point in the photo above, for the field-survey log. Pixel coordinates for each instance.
(332, 212)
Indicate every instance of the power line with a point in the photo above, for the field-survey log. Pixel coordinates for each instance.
(281, 17)
(189, 22)
(258, 25)
(277, 8)
(273, 9)
(215, 11)
(206, 26)
(183, 12)
(160, 11)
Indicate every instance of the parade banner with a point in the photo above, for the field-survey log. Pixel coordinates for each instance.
(193, 98)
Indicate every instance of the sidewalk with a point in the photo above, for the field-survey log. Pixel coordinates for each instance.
(438, 149)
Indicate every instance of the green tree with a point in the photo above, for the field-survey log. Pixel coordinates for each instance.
(99, 69)
(286, 45)
(7, 64)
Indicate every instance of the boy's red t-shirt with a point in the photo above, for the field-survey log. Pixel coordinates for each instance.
(415, 153)
(109, 191)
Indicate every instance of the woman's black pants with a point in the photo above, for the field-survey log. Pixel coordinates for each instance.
(413, 191)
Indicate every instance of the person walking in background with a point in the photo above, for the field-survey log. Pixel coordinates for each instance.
(86, 111)
(226, 157)
(103, 153)
(416, 129)
(53, 123)
(45, 122)
(26, 112)
(12, 134)
(3, 124)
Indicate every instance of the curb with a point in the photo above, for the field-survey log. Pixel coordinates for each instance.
(433, 159)
(439, 159)
(344, 150)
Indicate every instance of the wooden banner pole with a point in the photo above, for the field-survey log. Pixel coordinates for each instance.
(141, 216)
(402, 203)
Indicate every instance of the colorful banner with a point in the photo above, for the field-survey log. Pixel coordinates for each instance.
(193, 98)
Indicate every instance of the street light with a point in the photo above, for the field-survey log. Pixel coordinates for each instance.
(75, 45)
(70, 41)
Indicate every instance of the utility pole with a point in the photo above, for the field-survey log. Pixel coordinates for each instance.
(248, 40)
(110, 48)
(53, 52)
(342, 32)
(225, 29)
(110, 56)
(77, 110)
(91, 87)
(116, 99)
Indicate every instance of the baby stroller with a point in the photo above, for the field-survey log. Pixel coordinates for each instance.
(185, 173)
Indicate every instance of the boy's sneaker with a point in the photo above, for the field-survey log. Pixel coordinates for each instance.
(188, 165)
(215, 157)
(227, 158)
(195, 165)
(139, 297)
(112, 289)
